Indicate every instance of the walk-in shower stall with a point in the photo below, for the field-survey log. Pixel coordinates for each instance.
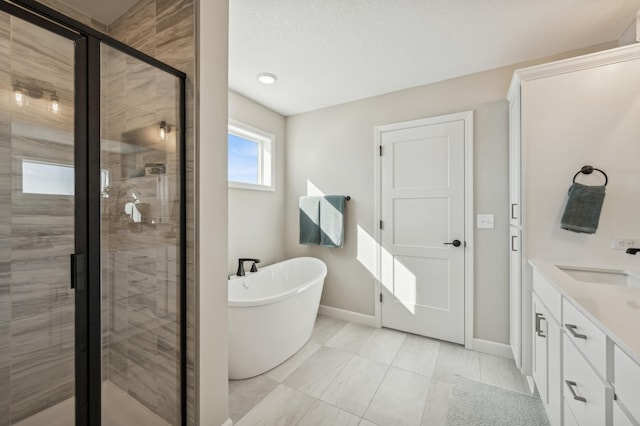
(92, 226)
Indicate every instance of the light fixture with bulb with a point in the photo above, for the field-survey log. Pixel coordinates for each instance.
(165, 129)
(54, 103)
(23, 92)
(267, 78)
(21, 96)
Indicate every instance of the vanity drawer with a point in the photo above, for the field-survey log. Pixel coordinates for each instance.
(584, 392)
(547, 294)
(569, 419)
(626, 380)
(619, 416)
(586, 336)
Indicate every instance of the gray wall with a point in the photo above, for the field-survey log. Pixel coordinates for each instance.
(211, 292)
(602, 130)
(333, 148)
(251, 234)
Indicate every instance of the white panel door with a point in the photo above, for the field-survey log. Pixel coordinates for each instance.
(422, 212)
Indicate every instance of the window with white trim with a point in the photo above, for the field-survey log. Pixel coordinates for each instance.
(250, 157)
(39, 177)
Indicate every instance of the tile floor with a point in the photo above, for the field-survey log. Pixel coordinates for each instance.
(349, 374)
(119, 409)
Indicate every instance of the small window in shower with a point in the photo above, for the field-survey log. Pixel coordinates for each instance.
(47, 178)
(250, 158)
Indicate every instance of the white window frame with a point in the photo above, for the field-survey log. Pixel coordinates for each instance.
(50, 164)
(266, 156)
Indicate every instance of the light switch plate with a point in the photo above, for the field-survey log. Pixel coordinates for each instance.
(484, 221)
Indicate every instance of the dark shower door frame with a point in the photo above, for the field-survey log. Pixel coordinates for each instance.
(86, 276)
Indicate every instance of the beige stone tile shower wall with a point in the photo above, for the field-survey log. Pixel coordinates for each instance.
(36, 231)
(140, 272)
(140, 258)
(164, 29)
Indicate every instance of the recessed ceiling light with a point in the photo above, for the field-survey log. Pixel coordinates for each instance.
(267, 78)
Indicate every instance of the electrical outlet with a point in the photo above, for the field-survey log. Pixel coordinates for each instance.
(622, 243)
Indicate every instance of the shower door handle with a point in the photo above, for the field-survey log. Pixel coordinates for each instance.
(78, 275)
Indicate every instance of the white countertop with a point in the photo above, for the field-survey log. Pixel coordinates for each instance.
(615, 309)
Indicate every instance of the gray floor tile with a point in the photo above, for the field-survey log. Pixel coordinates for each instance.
(400, 400)
(283, 406)
(355, 386)
(382, 345)
(386, 376)
(455, 359)
(417, 354)
(501, 372)
(325, 328)
(351, 338)
(315, 374)
(437, 406)
(246, 394)
(323, 414)
(283, 371)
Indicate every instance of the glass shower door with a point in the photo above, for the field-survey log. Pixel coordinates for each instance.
(140, 242)
(37, 225)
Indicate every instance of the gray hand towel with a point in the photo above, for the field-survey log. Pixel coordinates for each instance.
(332, 220)
(309, 208)
(582, 212)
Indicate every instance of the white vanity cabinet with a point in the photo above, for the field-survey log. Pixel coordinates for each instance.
(561, 370)
(620, 418)
(547, 347)
(587, 395)
(585, 374)
(626, 379)
(519, 300)
(562, 116)
(540, 370)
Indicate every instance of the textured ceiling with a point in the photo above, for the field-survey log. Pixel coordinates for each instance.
(334, 51)
(105, 11)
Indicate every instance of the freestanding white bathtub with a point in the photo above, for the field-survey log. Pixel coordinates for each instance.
(272, 313)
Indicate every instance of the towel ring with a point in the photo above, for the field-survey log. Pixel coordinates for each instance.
(587, 170)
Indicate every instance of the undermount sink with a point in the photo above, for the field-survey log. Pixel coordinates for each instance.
(601, 276)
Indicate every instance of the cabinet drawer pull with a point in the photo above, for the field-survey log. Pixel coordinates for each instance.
(572, 329)
(577, 397)
(539, 332)
(513, 215)
(513, 246)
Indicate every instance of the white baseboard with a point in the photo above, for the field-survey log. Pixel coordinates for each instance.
(229, 422)
(492, 348)
(531, 383)
(343, 314)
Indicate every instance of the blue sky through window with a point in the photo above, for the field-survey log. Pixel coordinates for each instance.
(243, 159)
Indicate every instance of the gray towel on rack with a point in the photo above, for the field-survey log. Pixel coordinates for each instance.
(309, 208)
(332, 220)
(582, 212)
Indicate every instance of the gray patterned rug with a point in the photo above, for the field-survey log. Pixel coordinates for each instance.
(476, 404)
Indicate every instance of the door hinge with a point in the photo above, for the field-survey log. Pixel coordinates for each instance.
(381, 224)
(380, 297)
(380, 150)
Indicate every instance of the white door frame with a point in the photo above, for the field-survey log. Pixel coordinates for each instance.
(467, 117)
